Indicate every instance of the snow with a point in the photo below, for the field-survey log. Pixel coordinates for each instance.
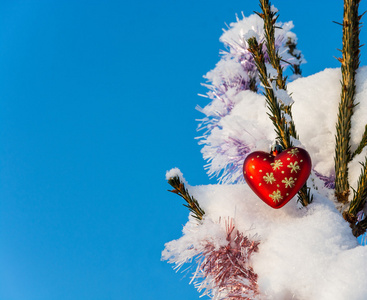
(246, 122)
(229, 83)
(304, 253)
(315, 109)
(283, 97)
(307, 253)
(175, 172)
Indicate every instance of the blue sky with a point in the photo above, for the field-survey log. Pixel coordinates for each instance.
(97, 101)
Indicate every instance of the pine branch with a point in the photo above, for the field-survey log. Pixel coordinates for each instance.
(292, 46)
(362, 144)
(276, 114)
(253, 84)
(285, 128)
(360, 195)
(360, 228)
(349, 65)
(269, 17)
(192, 204)
(304, 195)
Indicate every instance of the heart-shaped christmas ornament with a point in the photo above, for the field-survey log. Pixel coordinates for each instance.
(277, 177)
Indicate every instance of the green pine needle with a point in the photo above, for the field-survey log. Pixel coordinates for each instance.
(349, 66)
(296, 68)
(304, 195)
(360, 194)
(192, 204)
(270, 19)
(360, 228)
(284, 129)
(362, 144)
(276, 116)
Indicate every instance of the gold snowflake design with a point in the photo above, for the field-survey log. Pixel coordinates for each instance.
(293, 152)
(269, 178)
(276, 196)
(277, 164)
(289, 183)
(294, 167)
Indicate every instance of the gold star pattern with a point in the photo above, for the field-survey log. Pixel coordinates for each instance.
(294, 167)
(277, 164)
(289, 183)
(293, 152)
(276, 196)
(269, 178)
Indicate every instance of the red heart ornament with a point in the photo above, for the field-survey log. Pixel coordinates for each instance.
(276, 179)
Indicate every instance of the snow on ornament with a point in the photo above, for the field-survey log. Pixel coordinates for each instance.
(276, 179)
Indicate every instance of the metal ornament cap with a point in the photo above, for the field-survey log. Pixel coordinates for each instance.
(276, 179)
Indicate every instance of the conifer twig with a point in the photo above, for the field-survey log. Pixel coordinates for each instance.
(292, 46)
(276, 115)
(284, 127)
(304, 195)
(270, 17)
(362, 144)
(279, 122)
(359, 199)
(360, 228)
(349, 66)
(192, 204)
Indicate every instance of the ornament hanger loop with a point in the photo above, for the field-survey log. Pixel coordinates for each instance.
(276, 149)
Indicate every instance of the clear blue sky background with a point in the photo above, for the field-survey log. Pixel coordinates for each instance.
(97, 101)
